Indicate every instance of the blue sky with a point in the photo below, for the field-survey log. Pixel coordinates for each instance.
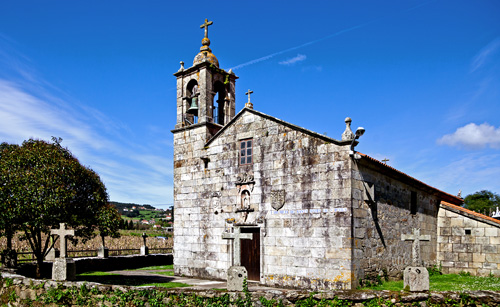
(422, 77)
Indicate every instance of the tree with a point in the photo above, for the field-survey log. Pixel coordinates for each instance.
(8, 222)
(47, 185)
(108, 222)
(482, 201)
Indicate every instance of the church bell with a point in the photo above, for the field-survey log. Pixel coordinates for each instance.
(193, 109)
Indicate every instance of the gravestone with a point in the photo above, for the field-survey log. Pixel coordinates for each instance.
(144, 247)
(63, 268)
(236, 273)
(416, 277)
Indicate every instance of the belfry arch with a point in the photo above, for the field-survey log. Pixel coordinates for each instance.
(219, 103)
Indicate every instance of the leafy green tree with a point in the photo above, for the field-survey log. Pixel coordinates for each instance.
(8, 209)
(47, 185)
(482, 201)
(108, 222)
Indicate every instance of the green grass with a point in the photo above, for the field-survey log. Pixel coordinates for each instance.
(116, 279)
(158, 267)
(166, 273)
(448, 282)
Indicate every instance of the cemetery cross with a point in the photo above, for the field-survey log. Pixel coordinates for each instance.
(62, 232)
(416, 238)
(236, 236)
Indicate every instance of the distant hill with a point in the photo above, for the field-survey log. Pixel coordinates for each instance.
(121, 206)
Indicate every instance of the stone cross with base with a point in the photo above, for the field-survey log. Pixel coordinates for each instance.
(63, 268)
(249, 104)
(236, 273)
(416, 277)
(416, 238)
(62, 232)
(236, 236)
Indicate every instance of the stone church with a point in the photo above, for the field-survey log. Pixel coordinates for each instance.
(297, 208)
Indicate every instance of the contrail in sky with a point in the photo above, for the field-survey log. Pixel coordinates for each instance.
(267, 57)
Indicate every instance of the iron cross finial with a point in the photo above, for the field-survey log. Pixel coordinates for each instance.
(205, 25)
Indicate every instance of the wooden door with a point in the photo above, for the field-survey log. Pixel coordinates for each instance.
(250, 253)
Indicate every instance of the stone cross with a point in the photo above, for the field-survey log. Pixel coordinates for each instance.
(385, 160)
(237, 236)
(62, 232)
(205, 25)
(416, 238)
(249, 104)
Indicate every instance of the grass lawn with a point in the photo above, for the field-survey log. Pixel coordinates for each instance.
(448, 282)
(116, 279)
(158, 267)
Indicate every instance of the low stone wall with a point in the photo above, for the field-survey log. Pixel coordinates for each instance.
(102, 264)
(20, 291)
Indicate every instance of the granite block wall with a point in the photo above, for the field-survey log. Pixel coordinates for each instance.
(382, 213)
(468, 243)
(300, 199)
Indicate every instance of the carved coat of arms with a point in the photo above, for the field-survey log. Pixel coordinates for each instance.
(277, 199)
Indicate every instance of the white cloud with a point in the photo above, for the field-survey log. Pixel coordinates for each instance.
(473, 136)
(298, 58)
(482, 57)
(130, 171)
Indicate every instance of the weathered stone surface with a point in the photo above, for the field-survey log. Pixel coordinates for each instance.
(235, 277)
(416, 279)
(472, 248)
(64, 269)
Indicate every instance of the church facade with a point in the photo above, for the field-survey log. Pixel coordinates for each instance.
(312, 212)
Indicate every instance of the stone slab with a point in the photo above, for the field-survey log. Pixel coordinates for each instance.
(64, 269)
(416, 279)
(235, 277)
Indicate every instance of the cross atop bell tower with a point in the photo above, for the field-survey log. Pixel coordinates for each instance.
(205, 93)
(205, 25)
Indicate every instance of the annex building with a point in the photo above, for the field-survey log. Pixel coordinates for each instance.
(313, 213)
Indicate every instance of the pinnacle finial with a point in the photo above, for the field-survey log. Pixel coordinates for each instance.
(348, 134)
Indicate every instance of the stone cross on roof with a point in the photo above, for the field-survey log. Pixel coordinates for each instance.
(236, 236)
(416, 238)
(205, 25)
(249, 104)
(62, 232)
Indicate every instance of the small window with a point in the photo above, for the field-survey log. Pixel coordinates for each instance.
(246, 152)
(468, 231)
(413, 204)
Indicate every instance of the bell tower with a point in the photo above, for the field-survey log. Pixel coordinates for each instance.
(205, 93)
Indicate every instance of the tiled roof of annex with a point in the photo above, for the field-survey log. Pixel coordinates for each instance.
(468, 212)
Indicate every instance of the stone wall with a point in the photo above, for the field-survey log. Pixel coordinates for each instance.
(468, 242)
(305, 243)
(89, 264)
(381, 213)
(19, 291)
